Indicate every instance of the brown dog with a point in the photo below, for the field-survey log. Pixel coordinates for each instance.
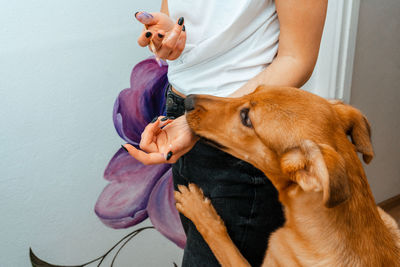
(299, 140)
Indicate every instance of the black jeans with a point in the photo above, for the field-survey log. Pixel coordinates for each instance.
(242, 195)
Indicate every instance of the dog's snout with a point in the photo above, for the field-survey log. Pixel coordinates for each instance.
(190, 102)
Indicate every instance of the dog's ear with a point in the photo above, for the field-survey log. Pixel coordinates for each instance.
(356, 125)
(318, 168)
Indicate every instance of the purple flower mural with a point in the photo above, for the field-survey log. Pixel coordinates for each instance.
(137, 191)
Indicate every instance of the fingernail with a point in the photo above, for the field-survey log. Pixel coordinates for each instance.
(148, 34)
(164, 119)
(180, 21)
(154, 120)
(148, 15)
(136, 13)
(183, 28)
(172, 117)
(160, 35)
(144, 17)
(124, 148)
(169, 155)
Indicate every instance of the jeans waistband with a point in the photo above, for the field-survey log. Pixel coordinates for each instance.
(175, 104)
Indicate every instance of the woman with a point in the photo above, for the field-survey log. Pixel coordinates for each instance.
(226, 48)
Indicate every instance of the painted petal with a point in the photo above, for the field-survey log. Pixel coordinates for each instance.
(118, 207)
(123, 167)
(162, 211)
(123, 202)
(135, 107)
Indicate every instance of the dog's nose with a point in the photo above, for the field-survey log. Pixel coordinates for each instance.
(190, 102)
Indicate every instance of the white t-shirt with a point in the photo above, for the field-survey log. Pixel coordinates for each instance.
(228, 43)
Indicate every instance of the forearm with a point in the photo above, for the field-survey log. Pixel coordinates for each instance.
(283, 71)
(301, 25)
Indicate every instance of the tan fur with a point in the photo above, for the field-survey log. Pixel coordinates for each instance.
(299, 140)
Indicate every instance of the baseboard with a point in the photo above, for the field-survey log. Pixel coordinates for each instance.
(390, 203)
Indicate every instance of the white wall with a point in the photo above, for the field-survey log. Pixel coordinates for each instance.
(374, 84)
(62, 64)
(376, 90)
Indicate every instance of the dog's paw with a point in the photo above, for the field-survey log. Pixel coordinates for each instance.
(190, 201)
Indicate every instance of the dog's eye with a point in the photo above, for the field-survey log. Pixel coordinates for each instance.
(244, 117)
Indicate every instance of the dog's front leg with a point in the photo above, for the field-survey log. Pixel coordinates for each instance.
(191, 202)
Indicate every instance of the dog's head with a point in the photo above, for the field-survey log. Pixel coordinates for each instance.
(293, 136)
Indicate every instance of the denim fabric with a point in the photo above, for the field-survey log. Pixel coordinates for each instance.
(242, 195)
(175, 105)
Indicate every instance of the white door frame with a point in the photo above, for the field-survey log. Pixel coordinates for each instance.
(333, 72)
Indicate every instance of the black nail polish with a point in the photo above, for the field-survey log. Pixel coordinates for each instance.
(171, 117)
(169, 155)
(148, 34)
(136, 14)
(154, 120)
(124, 148)
(160, 35)
(183, 28)
(164, 119)
(180, 21)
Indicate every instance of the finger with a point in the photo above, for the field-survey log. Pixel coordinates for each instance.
(163, 118)
(161, 125)
(178, 146)
(170, 42)
(147, 18)
(175, 151)
(143, 157)
(164, 121)
(168, 156)
(167, 120)
(148, 136)
(179, 47)
(183, 189)
(144, 38)
(158, 38)
(173, 160)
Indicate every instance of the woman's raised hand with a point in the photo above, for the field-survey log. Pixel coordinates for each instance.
(163, 141)
(168, 37)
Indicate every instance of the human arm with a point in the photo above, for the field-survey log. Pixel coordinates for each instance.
(301, 26)
(162, 143)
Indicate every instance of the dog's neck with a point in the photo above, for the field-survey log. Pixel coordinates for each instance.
(354, 227)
